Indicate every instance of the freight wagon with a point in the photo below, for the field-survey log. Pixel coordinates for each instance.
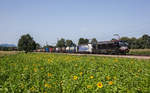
(86, 48)
(71, 49)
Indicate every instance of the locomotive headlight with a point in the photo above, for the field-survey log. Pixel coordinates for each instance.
(123, 48)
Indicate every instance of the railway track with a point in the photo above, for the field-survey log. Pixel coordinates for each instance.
(120, 56)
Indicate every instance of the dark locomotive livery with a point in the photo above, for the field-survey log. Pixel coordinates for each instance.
(104, 47)
(110, 47)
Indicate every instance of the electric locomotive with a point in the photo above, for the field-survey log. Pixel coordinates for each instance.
(110, 47)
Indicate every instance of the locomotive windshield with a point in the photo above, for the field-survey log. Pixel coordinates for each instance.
(121, 43)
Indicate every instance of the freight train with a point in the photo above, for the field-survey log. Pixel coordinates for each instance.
(104, 47)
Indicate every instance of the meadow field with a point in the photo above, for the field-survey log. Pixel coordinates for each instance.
(4, 53)
(142, 52)
(62, 73)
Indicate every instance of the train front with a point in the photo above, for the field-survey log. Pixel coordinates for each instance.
(123, 47)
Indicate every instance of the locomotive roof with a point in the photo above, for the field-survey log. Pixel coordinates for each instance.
(107, 42)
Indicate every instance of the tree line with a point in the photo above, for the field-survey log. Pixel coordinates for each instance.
(2, 48)
(69, 43)
(28, 44)
(138, 43)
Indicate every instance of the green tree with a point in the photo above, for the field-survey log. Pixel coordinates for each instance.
(38, 46)
(138, 43)
(133, 43)
(69, 43)
(61, 43)
(48, 46)
(94, 41)
(26, 43)
(86, 41)
(146, 41)
(83, 41)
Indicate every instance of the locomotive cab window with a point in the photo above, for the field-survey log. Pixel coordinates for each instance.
(122, 44)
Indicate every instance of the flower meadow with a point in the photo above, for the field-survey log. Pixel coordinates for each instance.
(62, 73)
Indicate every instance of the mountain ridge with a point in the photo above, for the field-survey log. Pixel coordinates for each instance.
(7, 45)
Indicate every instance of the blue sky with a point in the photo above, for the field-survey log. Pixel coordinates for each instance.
(49, 20)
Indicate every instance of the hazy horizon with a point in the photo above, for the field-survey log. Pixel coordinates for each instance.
(50, 20)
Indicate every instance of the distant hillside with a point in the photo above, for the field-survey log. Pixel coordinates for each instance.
(7, 45)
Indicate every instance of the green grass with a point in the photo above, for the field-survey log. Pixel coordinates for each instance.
(144, 52)
(60, 73)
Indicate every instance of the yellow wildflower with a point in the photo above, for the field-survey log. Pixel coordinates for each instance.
(91, 77)
(47, 85)
(99, 85)
(81, 73)
(110, 82)
(49, 60)
(89, 86)
(49, 74)
(75, 77)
